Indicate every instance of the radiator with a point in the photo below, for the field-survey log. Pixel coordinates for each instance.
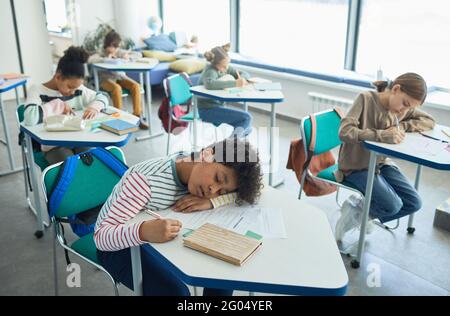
(321, 102)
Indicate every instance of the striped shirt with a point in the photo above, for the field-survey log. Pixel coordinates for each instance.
(153, 185)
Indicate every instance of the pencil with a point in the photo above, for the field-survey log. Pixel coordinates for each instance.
(397, 122)
(153, 214)
(445, 133)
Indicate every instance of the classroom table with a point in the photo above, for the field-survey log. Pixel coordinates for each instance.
(308, 262)
(247, 95)
(142, 69)
(9, 85)
(85, 138)
(413, 153)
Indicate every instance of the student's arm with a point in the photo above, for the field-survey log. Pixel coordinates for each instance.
(94, 100)
(192, 203)
(36, 112)
(96, 59)
(112, 233)
(211, 82)
(351, 133)
(242, 74)
(417, 121)
(122, 53)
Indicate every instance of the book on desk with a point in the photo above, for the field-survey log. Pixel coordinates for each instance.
(223, 244)
(119, 127)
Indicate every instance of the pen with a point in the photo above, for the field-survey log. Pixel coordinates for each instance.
(434, 138)
(240, 220)
(445, 133)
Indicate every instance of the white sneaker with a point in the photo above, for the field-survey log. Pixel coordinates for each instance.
(350, 219)
(347, 221)
(358, 202)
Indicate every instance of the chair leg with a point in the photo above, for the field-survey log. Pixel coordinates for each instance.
(337, 197)
(55, 260)
(169, 133)
(397, 225)
(216, 134)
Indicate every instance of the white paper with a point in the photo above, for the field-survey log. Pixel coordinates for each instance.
(421, 145)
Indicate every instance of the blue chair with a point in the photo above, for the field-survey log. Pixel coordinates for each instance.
(177, 90)
(90, 187)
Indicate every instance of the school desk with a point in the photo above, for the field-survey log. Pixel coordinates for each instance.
(142, 69)
(86, 138)
(415, 154)
(9, 85)
(308, 262)
(244, 96)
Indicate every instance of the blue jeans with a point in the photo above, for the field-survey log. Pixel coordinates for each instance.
(157, 279)
(393, 197)
(240, 120)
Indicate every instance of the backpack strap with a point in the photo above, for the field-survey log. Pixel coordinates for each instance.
(312, 143)
(110, 160)
(339, 112)
(63, 180)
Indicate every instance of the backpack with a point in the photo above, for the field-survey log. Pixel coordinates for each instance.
(177, 126)
(83, 223)
(301, 162)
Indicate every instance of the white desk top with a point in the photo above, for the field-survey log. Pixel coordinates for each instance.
(307, 263)
(414, 149)
(83, 138)
(11, 84)
(247, 94)
(125, 66)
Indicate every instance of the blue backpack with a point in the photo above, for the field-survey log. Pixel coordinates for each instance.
(83, 223)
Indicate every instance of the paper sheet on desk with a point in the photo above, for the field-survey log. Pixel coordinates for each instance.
(422, 145)
(266, 222)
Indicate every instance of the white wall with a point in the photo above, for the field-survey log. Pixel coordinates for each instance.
(9, 61)
(132, 16)
(91, 14)
(296, 89)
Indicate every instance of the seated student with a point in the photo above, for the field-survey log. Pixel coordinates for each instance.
(113, 82)
(214, 111)
(63, 94)
(381, 116)
(187, 184)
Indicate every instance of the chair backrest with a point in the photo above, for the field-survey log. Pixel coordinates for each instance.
(177, 88)
(89, 188)
(327, 131)
(20, 113)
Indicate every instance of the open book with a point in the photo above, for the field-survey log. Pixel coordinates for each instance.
(223, 244)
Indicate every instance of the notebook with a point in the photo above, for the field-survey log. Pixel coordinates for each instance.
(270, 86)
(223, 244)
(119, 127)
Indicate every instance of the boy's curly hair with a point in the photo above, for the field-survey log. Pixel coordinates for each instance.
(240, 156)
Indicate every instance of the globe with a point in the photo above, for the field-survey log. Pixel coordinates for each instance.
(155, 24)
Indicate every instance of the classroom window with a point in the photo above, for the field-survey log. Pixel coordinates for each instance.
(56, 15)
(209, 20)
(405, 35)
(303, 34)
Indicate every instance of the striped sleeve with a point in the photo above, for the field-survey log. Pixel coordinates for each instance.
(113, 233)
(223, 200)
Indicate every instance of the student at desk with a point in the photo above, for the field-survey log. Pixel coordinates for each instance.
(187, 184)
(113, 82)
(64, 94)
(212, 78)
(381, 116)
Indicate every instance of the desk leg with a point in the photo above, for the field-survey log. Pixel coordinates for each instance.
(7, 141)
(148, 94)
(96, 81)
(136, 268)
(367, 199)
(411, 228)
(195, 121)
(246, 107)
(273, 123)
(37, 202)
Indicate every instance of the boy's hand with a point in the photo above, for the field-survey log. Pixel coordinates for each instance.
(192, 203)
(90, 114)
(241, 82)
(160, 230)
(393, 135)
(68, 109)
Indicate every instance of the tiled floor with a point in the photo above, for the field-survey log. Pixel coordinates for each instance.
(394, 263)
